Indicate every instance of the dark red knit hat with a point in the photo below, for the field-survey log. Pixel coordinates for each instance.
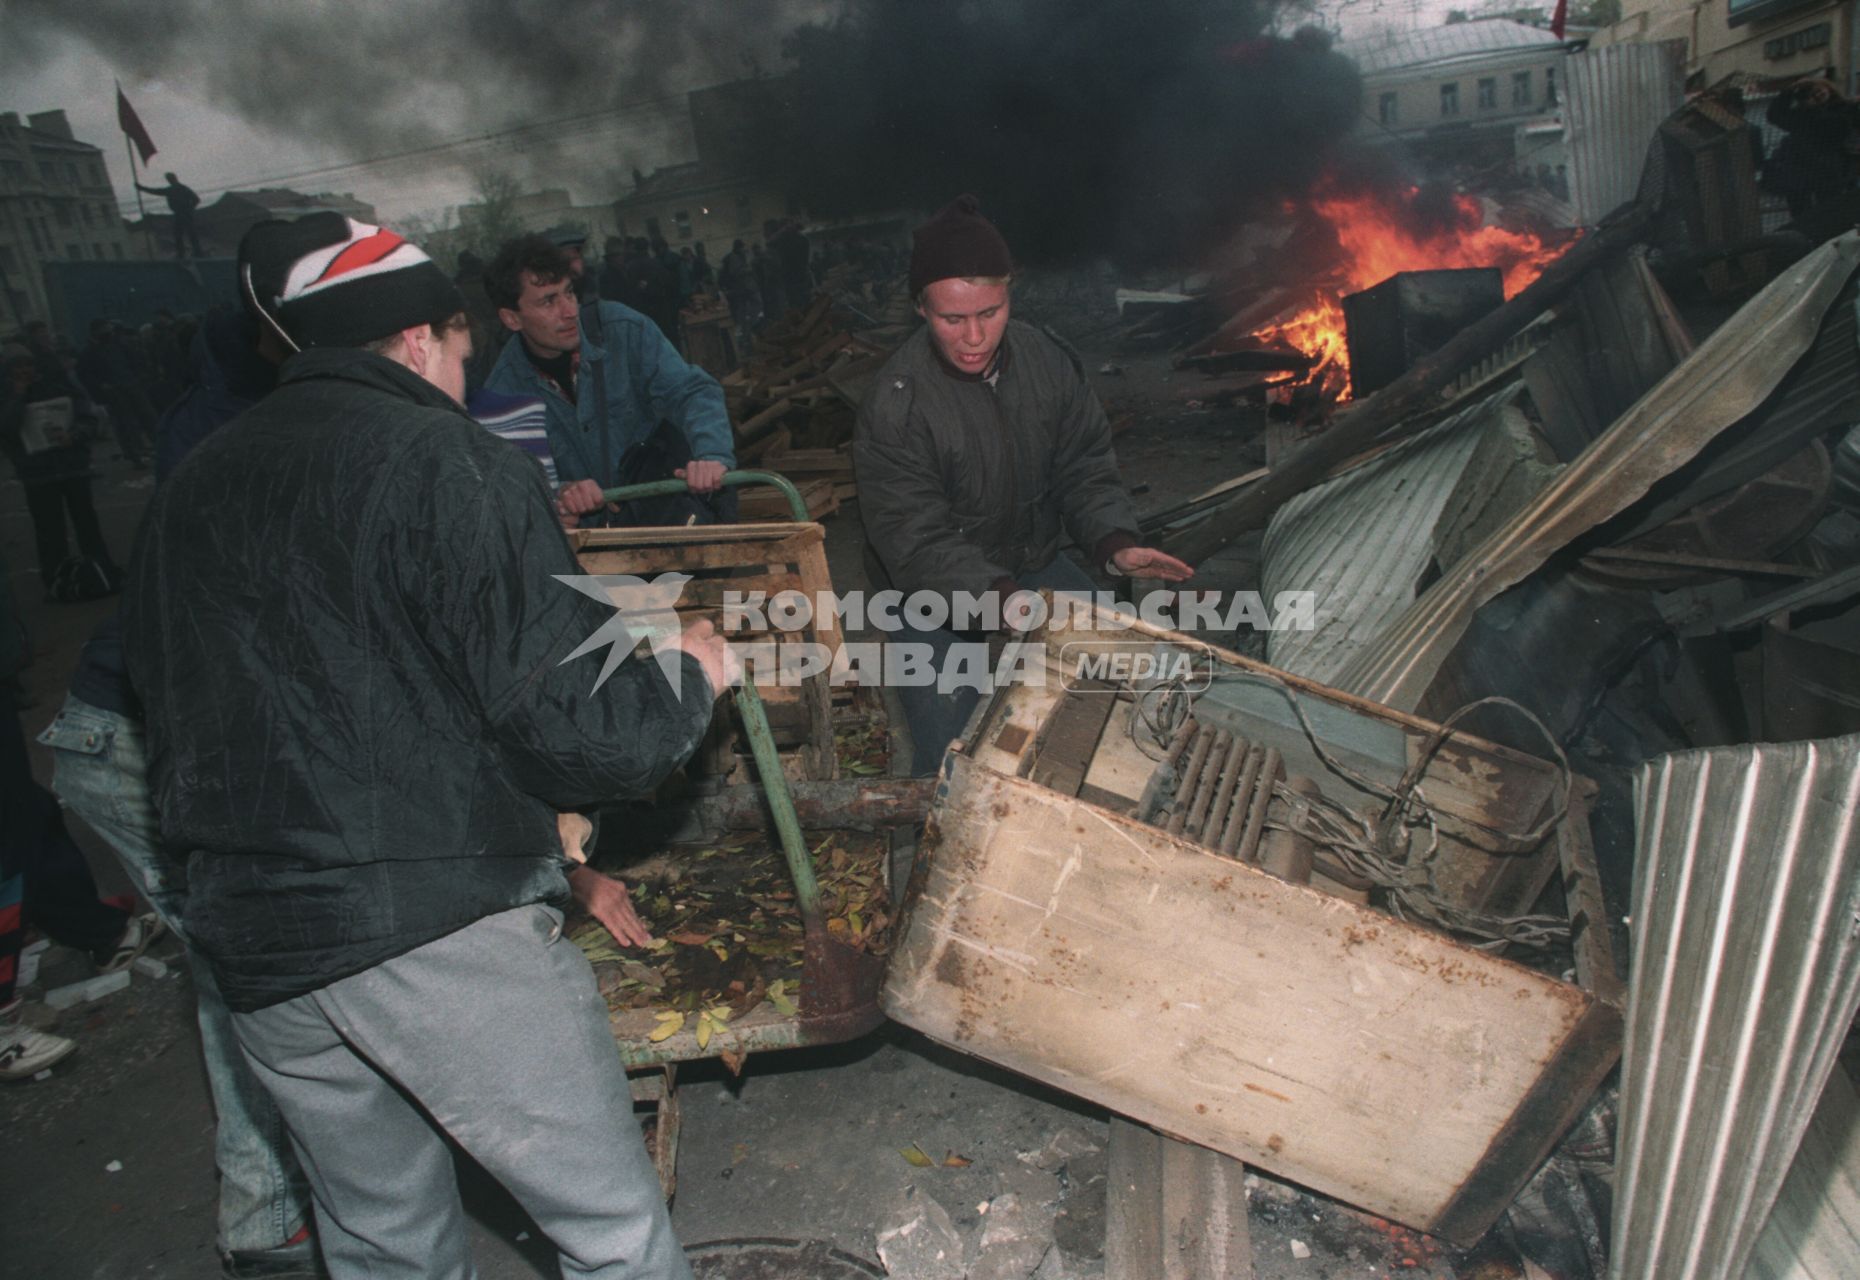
(959, 241)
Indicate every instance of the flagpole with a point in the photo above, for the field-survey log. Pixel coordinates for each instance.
(129, 150)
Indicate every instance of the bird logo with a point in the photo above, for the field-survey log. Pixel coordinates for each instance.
(643, 608)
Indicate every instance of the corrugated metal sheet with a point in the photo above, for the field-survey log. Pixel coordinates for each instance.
(1822, 391)
(1731, 373)
(1746, 977)
(1361, 541)
(1616, 98)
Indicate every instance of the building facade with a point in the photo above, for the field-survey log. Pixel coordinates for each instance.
(1460, 94)
(56, 205)
(1765, 39)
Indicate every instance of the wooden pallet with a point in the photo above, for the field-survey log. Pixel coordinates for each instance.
(735, 561)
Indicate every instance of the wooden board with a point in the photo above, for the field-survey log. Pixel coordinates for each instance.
(1371, 1060)
(1174, 1210)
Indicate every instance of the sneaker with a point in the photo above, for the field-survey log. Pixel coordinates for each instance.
(138, 933)
(295, 1259)
(25, 1052)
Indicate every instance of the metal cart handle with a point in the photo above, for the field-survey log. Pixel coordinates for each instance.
(664, 488)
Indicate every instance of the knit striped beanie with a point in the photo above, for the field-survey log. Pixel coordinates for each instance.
(343, 283)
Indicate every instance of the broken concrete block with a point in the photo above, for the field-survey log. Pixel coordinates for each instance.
(919, 1242)
(1038, 1189)
(1013, 1242)
(75, 993)
(149, 967)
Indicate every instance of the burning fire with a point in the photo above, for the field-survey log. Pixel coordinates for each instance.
(1378, 242)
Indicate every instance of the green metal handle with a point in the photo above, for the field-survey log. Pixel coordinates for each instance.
(664, 488)
(781, 804)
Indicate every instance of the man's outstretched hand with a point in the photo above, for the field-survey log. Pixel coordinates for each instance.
(1148, 562)
(606, 899)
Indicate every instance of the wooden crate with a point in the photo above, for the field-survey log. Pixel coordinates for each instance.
(1379, 1062)
(744, 558)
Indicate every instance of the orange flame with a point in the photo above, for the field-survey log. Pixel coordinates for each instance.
(1377, 243)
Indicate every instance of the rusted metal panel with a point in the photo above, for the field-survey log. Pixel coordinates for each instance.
(1746, 979)
(1726, 377)
(1616, 98)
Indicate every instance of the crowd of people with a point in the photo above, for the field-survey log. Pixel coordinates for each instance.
(362, 792)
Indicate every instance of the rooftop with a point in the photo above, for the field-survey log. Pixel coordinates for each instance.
(1457, 40)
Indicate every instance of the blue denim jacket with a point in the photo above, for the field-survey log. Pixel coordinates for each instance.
(646, 381)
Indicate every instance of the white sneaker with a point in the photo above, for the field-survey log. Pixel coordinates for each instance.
(25, 1052)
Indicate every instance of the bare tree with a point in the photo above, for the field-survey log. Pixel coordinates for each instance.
(493, 219)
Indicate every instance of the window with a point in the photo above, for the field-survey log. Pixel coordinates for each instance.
(63, 213)
(48, 172)
(119, 249)
(96, 172)
(75, 252)
(1488, 94)
(71, 174)
(682, 220)
(96, 251)
(1450, 99)
(1550, 86)
(1521, 89)
(745, 218)
(9, 261)
(14, 171)
(84, 214)
(1385, 108)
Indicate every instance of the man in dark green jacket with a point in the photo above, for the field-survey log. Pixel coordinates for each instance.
(344, 630)
(979, 444)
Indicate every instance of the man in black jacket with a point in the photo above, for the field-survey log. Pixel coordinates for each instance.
(977, 446)
(348, 645)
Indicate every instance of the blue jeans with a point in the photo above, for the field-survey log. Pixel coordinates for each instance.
(937, 718)
(101, 775)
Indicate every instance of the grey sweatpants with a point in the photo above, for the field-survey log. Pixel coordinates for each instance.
(496, 1035)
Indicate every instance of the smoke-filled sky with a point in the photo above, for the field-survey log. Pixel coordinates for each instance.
(239, 91)
(1089, 125)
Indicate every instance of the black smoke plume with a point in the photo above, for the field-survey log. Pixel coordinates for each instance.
(1142, 129)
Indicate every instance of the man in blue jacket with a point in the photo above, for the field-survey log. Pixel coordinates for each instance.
(623, 405)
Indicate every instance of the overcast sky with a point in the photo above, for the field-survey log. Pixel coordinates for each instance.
(200, 87)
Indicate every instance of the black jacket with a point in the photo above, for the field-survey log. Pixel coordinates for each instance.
(343, 627)
(965, 485)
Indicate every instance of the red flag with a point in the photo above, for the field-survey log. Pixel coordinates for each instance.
(131, 125)
(1561, 20)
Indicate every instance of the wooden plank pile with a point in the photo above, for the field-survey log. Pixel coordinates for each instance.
(794, 401)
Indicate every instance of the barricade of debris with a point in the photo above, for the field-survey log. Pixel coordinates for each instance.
(794, 402)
